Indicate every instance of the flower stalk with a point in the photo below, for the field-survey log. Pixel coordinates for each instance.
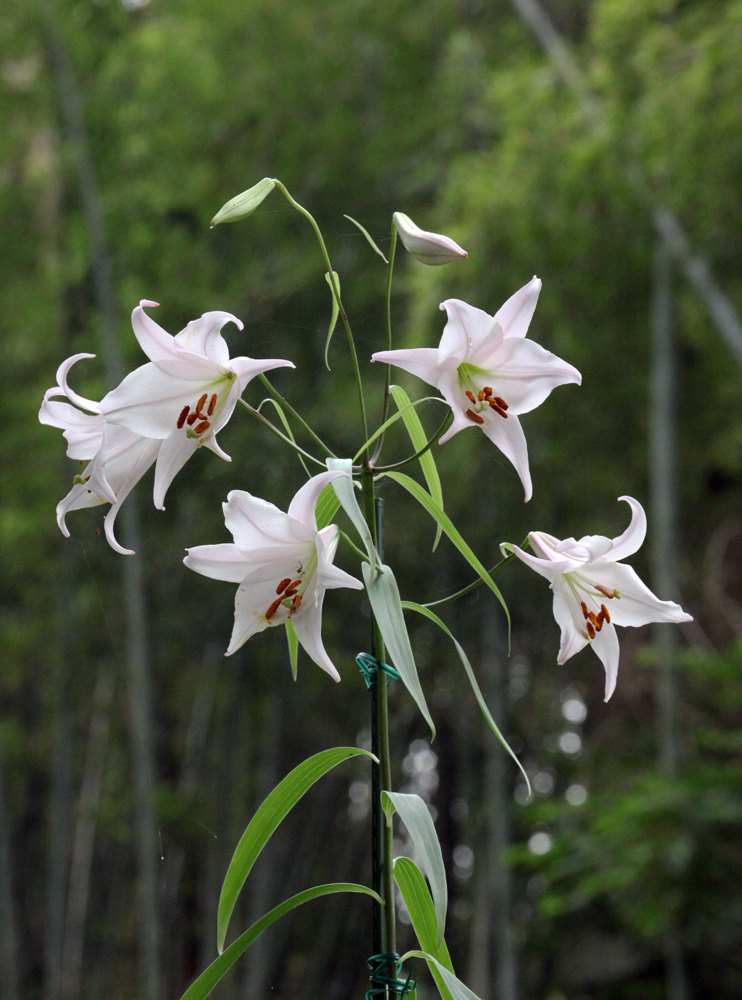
(384, 934)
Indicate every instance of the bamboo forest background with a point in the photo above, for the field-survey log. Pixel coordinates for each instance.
(596, 144)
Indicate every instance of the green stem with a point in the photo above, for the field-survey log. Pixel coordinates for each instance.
(336, 292)
(473, 586)
(388, 936)
(271, 427)
(353, 547)
(429, 444)
(388, 379)
(285, 403)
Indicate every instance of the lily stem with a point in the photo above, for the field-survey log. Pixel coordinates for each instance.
(385, 938)
(418, 454)
(335, 287)
(285, 403)
(388, 379)
(272, 427)
(473, 586)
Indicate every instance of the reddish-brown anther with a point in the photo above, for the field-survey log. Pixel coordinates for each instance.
(497, 408)
(183, 415)
(203, 426)
(475, 417)
(212, 404)
(283, 585)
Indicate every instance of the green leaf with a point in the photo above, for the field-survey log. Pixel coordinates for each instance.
(368, 237)
(345, 491)
(211, 976)
(293, 641)
(411, 606)
(392, 420)
(456, 989)
(436, 512)
(415, 815)
(419, 440)
(335, 312)
(420, 907)
(269, 815)
(383, 594)
(327, 506)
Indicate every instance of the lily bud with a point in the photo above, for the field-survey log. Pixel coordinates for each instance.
(428, 248)
(244, 204)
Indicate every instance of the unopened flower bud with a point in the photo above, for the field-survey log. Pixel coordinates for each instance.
(244, 204)
(429, 248)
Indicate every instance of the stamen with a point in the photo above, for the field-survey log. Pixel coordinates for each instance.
(471, 395)
(192, 419)
(475, 417)
(283, 585)
(593, 618)
(182, 417)
(295, 603)
(497, 408)
(487, 390)
(584, 609)
(295, 584)
(201, 402)
(590, 629)
(604, 613)
(212, 404)
(501, 402)
(272, 609)
(480, 395)
(203, 426)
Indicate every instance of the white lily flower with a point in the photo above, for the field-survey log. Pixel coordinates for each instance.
(594, 591)
(282, 563)
(429, 248)
(488, 372)
(186, 394)
(116, 458)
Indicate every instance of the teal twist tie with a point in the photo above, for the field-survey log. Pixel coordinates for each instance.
(370, 668)
(383, 984)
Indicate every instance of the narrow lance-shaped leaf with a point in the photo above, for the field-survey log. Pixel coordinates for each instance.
(280, 801)
(417, 899)
(436, 512)
(411, 606)
(293, 641)
(383, 594)
(335, 312)
(456, 988)
(419, 440)
(345, 491)
(416, 817)
(368, 237)
(209, 978)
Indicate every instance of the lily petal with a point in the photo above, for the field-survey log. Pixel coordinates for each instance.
(637, 605)
(516, 314)
(526, 373)
(219, 562)
(605, 645)
(509, 437)
(466, 329)
(308, 628)
(62, 373)
(633, 538)
(204, 336)
(173, 455)
(302, 507)
(419, 361)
